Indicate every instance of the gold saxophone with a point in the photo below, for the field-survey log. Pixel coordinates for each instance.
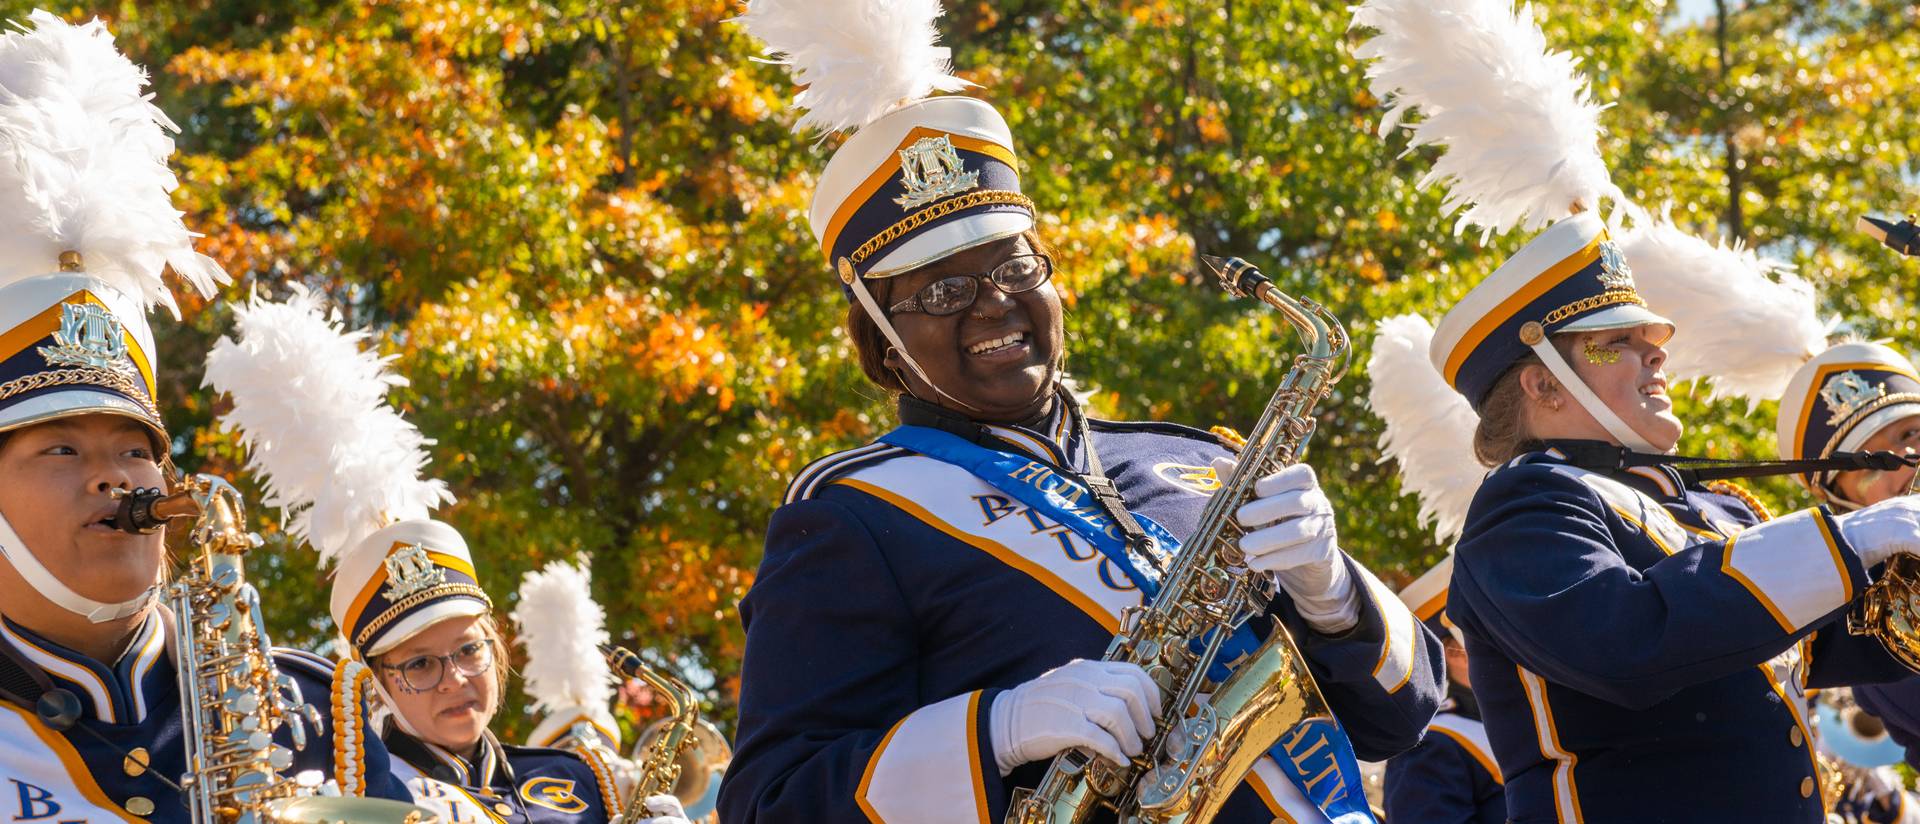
(1889, 610)
(232, 696)
(1201, 750)
(680, 753)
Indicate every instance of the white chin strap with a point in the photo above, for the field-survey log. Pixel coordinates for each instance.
(386, 707)
(1583, 395)
(859, 287)
(40, 579)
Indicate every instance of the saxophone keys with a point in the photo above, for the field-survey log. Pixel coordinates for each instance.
(239, 701)
(280, 757)
(297, 729)
(225, 576)
(249, 741)
(219, 616)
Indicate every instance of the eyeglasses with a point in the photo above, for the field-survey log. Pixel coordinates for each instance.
(424, 672)
(1020, 273)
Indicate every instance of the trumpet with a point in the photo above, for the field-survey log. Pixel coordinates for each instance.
(232, 696)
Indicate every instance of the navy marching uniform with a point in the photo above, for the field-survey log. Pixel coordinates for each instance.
(119, 753)
(1451, 778)
(1639, 645)
(899, 595)
(505, 784)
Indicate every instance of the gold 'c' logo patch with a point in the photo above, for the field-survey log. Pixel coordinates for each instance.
(553, 794)
(1199, 480)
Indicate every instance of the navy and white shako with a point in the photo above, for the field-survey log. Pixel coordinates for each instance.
(1839, 400)
(1571, 278)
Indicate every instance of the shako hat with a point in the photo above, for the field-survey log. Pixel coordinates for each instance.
(1840, 399)
(310, 406)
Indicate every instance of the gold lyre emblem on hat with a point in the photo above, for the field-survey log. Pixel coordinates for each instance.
(89, 335)
(410, 570)
(1615, 274)
(1847, 393)
(931, 170)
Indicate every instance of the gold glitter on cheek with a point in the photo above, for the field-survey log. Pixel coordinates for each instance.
(1600, 356)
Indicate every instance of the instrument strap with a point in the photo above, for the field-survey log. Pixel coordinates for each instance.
(1605, 457)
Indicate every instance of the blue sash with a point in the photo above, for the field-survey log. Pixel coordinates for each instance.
(1316, 755)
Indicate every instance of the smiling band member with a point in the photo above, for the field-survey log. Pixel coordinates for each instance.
(91, 725)
(406, 596)
(918, 634)
(1626, 628)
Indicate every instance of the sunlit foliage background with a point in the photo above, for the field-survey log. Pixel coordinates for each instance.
(580, 228)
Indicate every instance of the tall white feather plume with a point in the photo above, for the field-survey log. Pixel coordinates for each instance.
(1429, 426)
(1746, 323)
(310, 405)
(854, 59)
(83, 165)
(562, 628)
(1519, 130)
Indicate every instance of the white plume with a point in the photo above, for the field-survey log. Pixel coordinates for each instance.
(310, 405)
(1429, 426)
(1745, 323)
(854, 60)
(83, 165)
(1516, 123)
(562, 629)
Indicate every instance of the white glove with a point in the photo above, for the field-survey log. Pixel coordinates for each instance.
(1883, 530)
(1104, 706)
(1293, 538)
(665, 809)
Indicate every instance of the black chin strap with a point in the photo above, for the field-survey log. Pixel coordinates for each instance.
(1610, 458)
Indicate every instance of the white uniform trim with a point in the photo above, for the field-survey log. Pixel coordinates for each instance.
(1631, 504)
(149, 648)
(45, 770)
(1782, 564)
(1471, 735)
(1566, 796)
(453, 804)
(79, 675)
(1284, 800)
(1395, 666)
(927, 769)
(810, 478)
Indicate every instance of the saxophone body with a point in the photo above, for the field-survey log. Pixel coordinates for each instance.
(233, 698)
(1200, 750)
(676, 756)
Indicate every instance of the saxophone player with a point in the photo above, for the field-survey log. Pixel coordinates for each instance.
(91, 709)
(415, 623)
(1451, 778)
(918, 637)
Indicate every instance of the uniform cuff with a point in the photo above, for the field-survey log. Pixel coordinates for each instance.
(935, 766)
(1797, 567)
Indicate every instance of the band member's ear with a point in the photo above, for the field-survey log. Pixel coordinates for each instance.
(893, 360)
(1541, 387)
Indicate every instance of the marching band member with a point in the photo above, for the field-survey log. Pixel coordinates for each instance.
(1588, 713)
(1639, 644)
(406, 596)
(919, 631)
(562, 629)
(1451, 778)
(90, 721)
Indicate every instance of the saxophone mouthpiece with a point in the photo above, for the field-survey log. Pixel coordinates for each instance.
(144, 511)
(622, 660)
(1902, 237)
(1240, 278)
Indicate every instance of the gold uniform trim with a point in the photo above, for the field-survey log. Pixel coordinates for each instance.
(939, 210)
(400, 607)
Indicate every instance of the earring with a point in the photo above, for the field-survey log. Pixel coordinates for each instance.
(1600, 357)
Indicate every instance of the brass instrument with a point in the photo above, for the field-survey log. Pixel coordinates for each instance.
(1201, 750)
(675, 755)
(232, 696)
(1890, 608)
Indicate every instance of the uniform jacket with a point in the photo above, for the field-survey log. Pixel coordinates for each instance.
(1640, 649)
(505, 784)
(1898, 705)
(900, 595)
(133, 705)
(1450, 778)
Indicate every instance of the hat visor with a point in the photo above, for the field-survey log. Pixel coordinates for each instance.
(1620, 316)
(73, 403)
(1880, 419)
(950, 238)
(461, 606)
